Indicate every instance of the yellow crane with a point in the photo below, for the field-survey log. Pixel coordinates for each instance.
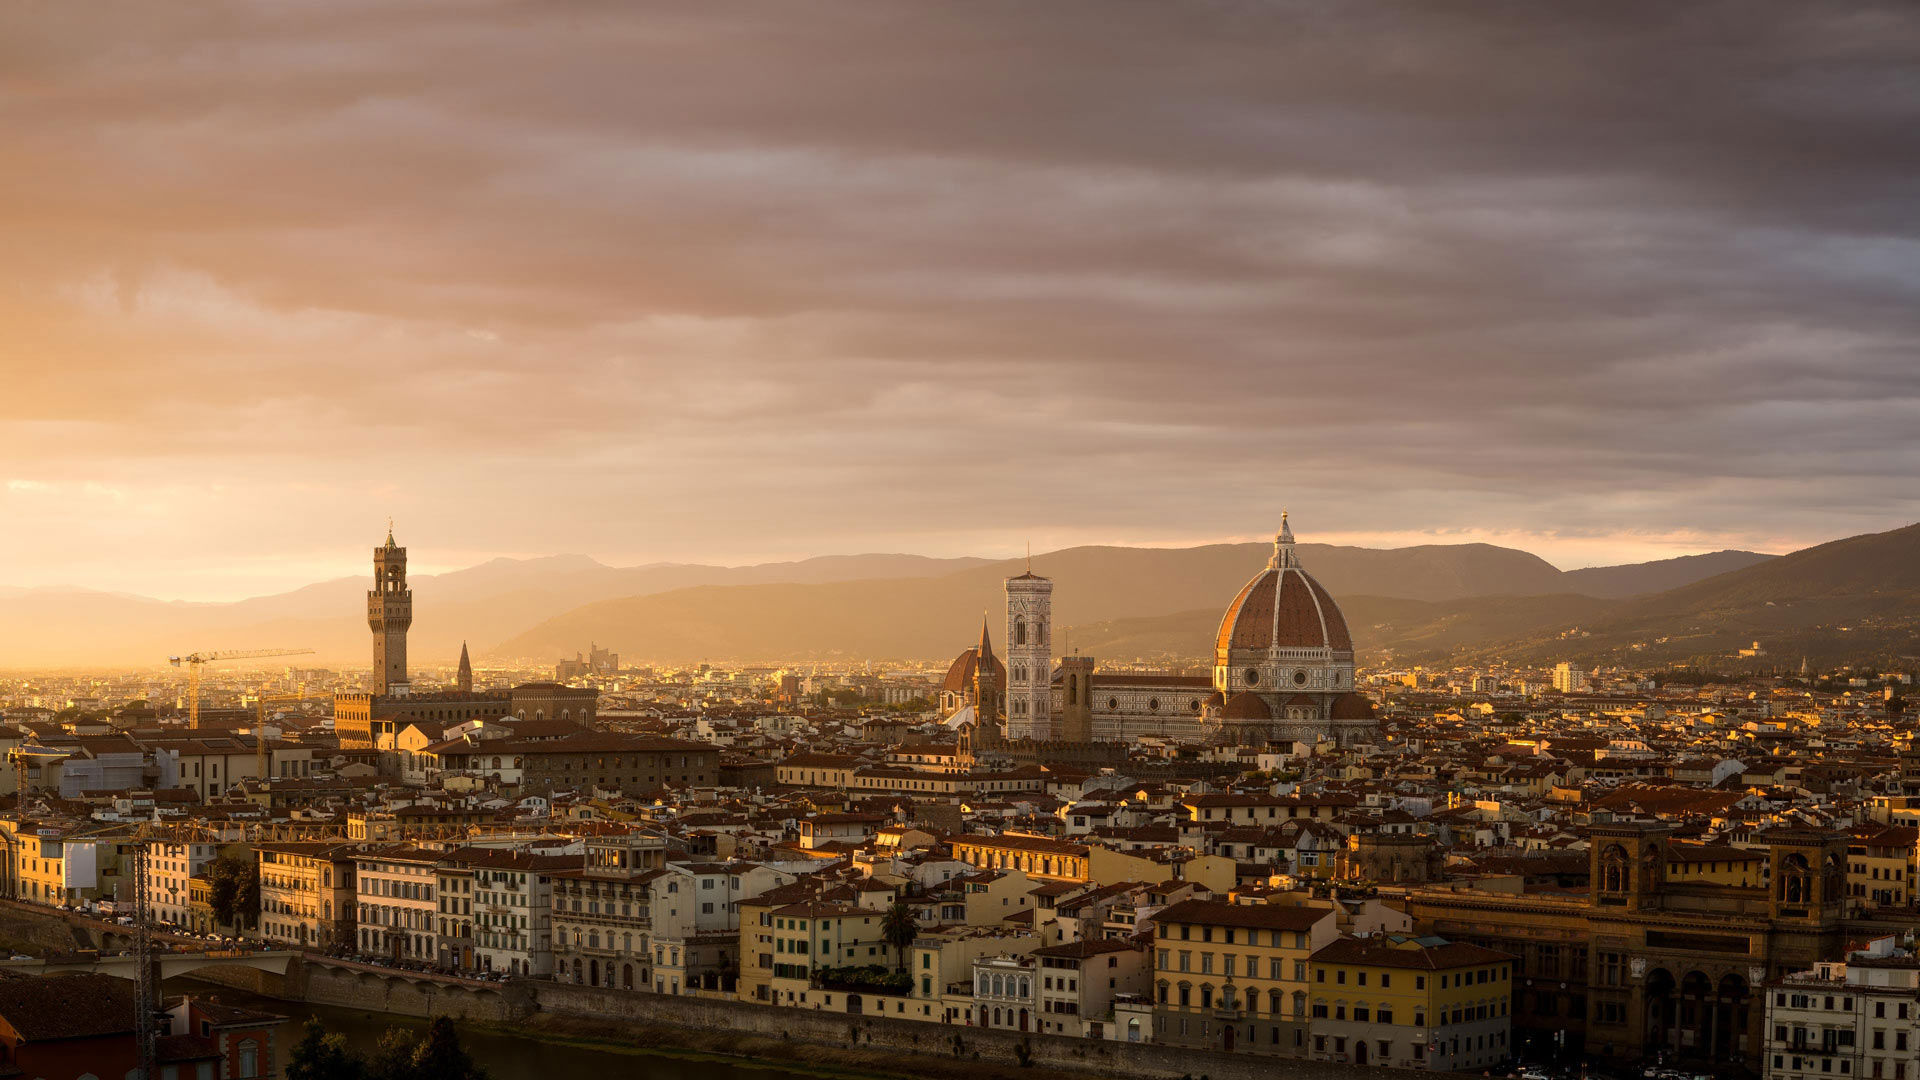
(195, 661)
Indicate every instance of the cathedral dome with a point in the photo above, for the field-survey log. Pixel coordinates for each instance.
(1283, 608)
(960, 676)
(1245, 706)
(1352, 707)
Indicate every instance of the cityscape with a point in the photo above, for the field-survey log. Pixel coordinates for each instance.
(1078, 541)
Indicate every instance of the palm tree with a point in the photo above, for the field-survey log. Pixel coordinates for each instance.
(899, 928)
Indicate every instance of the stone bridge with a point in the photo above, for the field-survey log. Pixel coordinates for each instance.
(168, 964)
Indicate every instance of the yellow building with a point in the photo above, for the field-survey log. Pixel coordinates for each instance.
(1236, 976)
(1880, 867)
(1039, 857)
(1420, 1003)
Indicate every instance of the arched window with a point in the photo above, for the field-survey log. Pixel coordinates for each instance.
(249, 1058)
(1614, 874)
(1019, 630)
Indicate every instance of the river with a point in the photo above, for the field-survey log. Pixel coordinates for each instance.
(505, 1056)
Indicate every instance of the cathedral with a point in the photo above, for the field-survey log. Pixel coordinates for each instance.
(1282, 673)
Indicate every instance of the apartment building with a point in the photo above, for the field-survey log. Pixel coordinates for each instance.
(509, 911)
(395, 898)
(171, 866)
(1079, 980)
(1414, 1003)
(307, 893)
(814, 935)
(453, 919)
(1857, 1018)
(1236, 976)
(601, 912)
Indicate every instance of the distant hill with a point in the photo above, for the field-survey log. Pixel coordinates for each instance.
(1851, 600)
(1639, 579)
(76, 627)
(1130, 601)
(1384, 628)
(864, 605)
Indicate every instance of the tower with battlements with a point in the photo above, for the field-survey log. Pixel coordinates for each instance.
(389, 614)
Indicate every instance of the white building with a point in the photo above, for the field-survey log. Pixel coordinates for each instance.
(1857, 1018)
(169, 864)
(394, 892)
(1569, 678)
(1005, 992)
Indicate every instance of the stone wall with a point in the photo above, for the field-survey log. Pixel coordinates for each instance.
(358, 986)
(1144, 1060)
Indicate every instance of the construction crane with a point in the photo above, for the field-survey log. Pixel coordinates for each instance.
(195, 661)
(146, 1014)
(26, 756)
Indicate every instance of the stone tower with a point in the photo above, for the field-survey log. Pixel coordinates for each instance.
(466, 671)
(1029, 657)
(1076, 699)
(389, 614)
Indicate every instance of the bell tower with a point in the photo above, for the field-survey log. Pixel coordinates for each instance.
(389, 614)
(1029, 657)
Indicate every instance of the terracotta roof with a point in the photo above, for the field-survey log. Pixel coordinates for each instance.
(1246, 706)
(1282, 607)
(1408, 953)
(1255, 916)
(55, 1007)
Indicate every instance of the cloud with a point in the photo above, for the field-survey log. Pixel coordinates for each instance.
(770, 279)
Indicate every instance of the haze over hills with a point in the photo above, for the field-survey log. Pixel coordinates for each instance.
(1638, 579)
(1855, 600)
(498, 598)
(1129, 601)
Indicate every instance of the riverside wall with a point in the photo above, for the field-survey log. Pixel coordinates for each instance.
(1145, 1060)
(326, 981)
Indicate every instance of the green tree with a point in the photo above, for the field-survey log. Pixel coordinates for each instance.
(899, 928)
(320, 1056)
(236, 891)
(440, 1056)
(437, 1055)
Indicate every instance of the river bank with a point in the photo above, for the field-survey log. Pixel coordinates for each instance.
(547, 1046)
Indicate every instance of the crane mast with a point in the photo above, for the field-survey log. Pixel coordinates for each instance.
(195, 661)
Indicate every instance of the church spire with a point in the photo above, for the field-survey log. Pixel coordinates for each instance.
(466, 671)
(986, 645)
(390, 542)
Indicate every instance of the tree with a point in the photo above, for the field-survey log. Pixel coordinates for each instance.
(899, 928)
(439, 1056)
(436, 1056)
(320, 1056)
(400, 1055)
(236, 891)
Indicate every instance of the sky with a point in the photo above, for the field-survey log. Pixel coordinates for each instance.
(751, 281)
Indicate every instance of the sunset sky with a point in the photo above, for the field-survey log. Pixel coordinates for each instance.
(745, 281)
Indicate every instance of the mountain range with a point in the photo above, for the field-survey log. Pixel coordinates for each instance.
(1849, 598)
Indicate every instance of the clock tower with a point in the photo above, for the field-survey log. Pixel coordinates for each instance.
(389, 614)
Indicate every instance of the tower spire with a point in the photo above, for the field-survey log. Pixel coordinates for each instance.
(986, 644)
(466, 671)
(390, 542)
(1283, 555)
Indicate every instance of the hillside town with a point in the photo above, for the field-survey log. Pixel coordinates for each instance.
(1283, 856)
